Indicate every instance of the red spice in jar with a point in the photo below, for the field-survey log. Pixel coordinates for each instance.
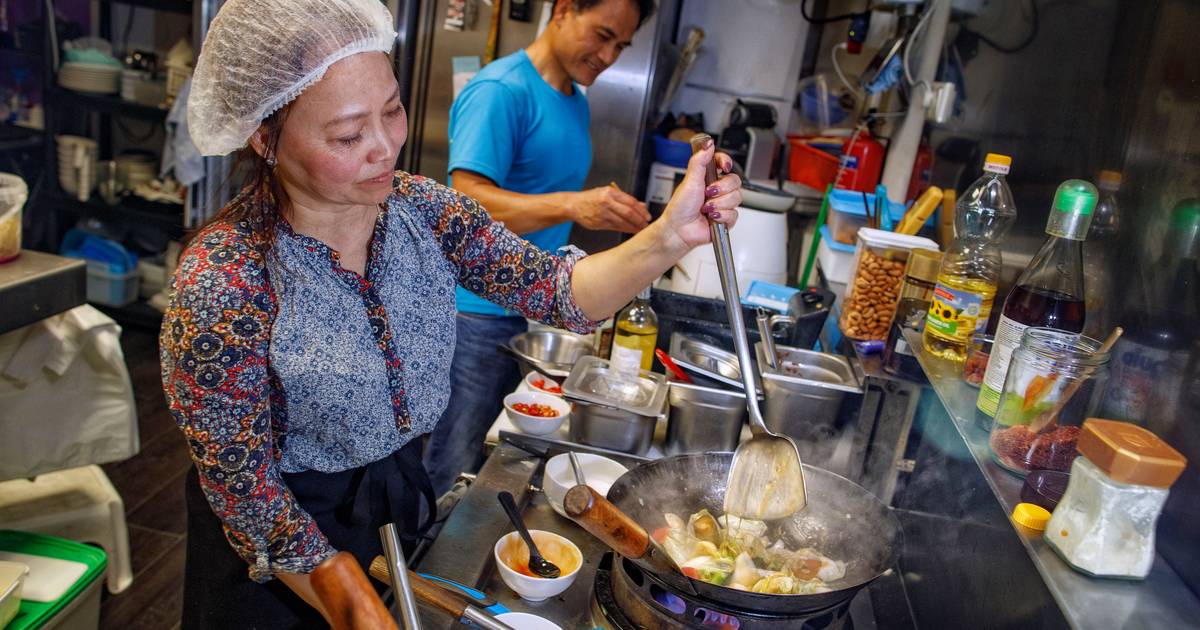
(1019, 448)
(975, 367)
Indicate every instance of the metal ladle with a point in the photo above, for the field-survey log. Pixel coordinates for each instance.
(766, 479)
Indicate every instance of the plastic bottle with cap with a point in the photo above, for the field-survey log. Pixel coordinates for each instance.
(1103, 256)
(1049, 292)
(970, 270)
(1104, 525)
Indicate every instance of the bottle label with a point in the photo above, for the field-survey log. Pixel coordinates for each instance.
(1008, 337)
(954, 313)
(625, 360)
(995, 167)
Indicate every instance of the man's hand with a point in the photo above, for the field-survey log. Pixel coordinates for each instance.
(607, 208)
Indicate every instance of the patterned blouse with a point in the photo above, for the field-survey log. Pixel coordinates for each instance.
(294, 363)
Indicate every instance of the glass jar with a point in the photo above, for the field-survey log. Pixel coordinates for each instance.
(13, 194)
(1055, 381)
(1104, 524)
(975, 365)
(920, 276)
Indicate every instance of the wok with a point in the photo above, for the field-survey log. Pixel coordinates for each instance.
(842, 521)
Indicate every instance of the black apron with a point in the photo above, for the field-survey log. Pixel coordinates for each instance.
(349, 508)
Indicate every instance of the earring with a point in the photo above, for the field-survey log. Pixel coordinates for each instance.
(271, 162)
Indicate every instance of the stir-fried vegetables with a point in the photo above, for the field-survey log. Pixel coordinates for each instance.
(736, 553)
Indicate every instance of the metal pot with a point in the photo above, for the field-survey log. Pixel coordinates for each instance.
(842, 520)
(613, 410)
(608, 427)
(553, 351)
(703, 418)
(804, 392)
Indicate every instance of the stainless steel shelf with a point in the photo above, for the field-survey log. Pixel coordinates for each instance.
(1161, 600)
(36, 286)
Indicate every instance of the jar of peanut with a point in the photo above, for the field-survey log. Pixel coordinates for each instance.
(871, 295)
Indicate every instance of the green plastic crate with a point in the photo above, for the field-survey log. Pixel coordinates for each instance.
(36, 614)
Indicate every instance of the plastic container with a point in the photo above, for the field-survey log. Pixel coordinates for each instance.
(837, 259)
(13, 194)
(809, 165)
(1045, 488)
(111, 288)
(975, 364)
(1104, 525)
(671, 152)
(871, 295)
(1055, 381)
(79, 607)
(846, 214)
(12, 581)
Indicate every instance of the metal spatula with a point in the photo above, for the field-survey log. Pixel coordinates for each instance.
(766, 480)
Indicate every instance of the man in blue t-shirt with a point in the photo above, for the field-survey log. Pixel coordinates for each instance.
(519, 144)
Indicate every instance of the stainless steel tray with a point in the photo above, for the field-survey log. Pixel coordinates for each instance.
(593, 381)
(709, 361)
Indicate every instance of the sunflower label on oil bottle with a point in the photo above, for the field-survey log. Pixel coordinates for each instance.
(953, 313)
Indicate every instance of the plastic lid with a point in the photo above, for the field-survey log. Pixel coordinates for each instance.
(1128, 453)
(923, 264)
(1110, 180)
(1031, 516)
(644, 294)
(882, 238)
(997, 163)
(1074, 202)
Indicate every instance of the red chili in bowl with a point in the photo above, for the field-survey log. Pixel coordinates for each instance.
(550, 387)
(535, 409)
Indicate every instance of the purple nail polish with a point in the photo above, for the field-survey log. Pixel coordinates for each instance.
(711, 192)
(714, 215)
(710, 208)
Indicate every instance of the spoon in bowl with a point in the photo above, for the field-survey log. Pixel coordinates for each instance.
(540, 566)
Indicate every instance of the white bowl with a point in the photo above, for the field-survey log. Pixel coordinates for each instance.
(599, 472)
(526, 621)
(533, 378)
(536, 425)
(555, 548)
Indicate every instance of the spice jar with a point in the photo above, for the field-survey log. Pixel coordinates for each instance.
(920, 276)
(870, 301)
(1104, 525)
(975, 365)
(1055, 380)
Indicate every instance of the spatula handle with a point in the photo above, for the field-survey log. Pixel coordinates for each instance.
(605, 521)
(349, 599)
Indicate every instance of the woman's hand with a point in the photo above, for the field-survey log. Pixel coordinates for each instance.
(693, 205)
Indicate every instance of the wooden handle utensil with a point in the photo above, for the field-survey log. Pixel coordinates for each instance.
(348, 597)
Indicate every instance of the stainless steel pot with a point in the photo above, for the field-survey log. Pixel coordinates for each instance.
(612, 410)
(703, 419)
(804, 391)
(553, 351)
(608, 427)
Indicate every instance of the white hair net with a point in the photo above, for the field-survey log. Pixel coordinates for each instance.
(261, 54)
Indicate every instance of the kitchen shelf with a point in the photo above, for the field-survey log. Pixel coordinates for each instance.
(170, 6)
(1161, 600)
(37, 285)
(173, 223)
(14, 138)
(106, 103)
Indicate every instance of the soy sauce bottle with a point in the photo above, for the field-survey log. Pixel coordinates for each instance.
(1050, 291)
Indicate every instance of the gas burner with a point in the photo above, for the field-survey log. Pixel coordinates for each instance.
(626, 598)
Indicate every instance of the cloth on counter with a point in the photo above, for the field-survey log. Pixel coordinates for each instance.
(65, 395)
(299, 364)
(515, 129)
(180, 154)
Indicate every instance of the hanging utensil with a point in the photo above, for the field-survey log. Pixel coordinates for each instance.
(577, 467)
(539, 565)
(399, 571)
(764, 331)
(766, 480)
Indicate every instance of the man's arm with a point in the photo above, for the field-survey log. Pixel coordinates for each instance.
(603, 208)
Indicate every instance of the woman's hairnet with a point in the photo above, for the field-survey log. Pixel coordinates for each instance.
(261, 54)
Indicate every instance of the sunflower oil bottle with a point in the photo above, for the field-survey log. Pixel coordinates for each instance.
(970, 271)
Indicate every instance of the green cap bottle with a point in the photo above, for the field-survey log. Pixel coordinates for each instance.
(1071, 214)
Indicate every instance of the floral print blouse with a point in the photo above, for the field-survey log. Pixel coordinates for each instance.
(290, 362)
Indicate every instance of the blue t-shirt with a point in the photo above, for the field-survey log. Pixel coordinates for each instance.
(512, 127)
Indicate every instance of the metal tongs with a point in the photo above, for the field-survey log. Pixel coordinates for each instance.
(766, 478)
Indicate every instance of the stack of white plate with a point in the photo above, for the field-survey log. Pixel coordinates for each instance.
(77, 165)
(136, 169)
(94, 78)
(142, 88)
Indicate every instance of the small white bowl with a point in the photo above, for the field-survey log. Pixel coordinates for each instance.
(526, 621)
(533, 378)
(536, 425)
(555, 548)
(599, 472)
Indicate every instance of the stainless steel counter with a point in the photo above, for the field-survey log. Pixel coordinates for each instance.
(1161, 601)
(36, 286)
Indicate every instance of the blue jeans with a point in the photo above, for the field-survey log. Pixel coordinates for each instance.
(480, 377)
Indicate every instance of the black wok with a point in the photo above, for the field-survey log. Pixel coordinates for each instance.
(842, 521)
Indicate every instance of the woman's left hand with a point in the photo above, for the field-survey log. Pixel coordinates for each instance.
(694, 205)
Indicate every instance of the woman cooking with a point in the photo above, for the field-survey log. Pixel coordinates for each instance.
(308, 343)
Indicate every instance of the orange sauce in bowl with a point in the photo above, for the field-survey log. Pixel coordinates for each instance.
(515, 554)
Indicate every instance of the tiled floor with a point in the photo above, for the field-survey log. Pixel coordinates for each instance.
(151, 484)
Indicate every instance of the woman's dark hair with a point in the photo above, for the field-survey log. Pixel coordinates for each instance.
(645, 7)
(266, 197)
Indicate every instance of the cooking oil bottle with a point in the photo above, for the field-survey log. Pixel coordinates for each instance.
(636, 335)
(970, 271)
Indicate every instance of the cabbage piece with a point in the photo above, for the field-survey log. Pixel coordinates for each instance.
(776, 584)
(702, 525)
(710, 569)
(831, 570)
(673, 520)
(744, 572)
